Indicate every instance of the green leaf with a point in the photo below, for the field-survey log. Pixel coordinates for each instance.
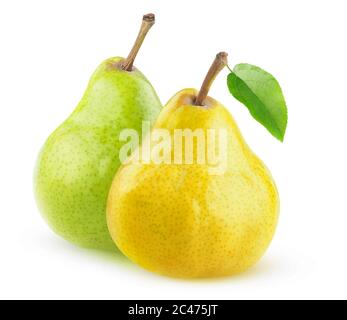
(260, 92)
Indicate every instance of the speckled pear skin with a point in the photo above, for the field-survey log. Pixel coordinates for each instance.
(77, 164)
(181, 221)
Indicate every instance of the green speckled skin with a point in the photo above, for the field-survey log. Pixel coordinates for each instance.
(77, 164)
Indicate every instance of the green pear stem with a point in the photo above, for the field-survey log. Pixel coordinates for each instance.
(217, 66)
(147, 23)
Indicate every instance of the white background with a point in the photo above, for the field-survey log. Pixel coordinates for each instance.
(48, 50)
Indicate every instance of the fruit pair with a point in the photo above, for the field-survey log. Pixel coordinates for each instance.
(176, 219)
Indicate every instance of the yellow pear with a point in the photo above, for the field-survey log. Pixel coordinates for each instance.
(200, 219)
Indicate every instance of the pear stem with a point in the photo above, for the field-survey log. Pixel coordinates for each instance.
(219, 63)
(147, 23)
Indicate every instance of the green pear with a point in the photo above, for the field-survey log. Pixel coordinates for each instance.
(77, 164)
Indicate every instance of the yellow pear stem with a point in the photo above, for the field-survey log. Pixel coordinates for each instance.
(219, 63)
(147, 23)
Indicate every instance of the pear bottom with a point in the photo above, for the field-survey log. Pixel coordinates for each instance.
(192, 227)
(72, 179)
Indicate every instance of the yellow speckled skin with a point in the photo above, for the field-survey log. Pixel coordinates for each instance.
(180, 221)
